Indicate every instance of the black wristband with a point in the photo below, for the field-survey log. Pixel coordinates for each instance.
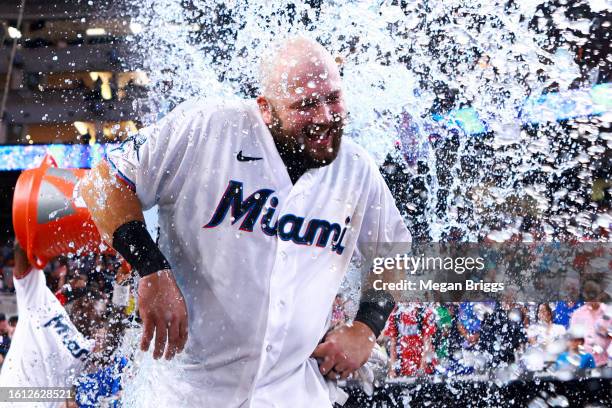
(375, 307)
(134, 243)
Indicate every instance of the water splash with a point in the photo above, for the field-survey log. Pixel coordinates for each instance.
(406, 70)
(420, 60)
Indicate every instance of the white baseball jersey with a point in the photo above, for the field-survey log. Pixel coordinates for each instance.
(46, 349)
(258, 259)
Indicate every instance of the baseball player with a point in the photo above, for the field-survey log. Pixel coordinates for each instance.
(47, 349)
(262, 203)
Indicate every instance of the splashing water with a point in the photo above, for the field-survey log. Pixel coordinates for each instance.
(410, 64)
(416, 74)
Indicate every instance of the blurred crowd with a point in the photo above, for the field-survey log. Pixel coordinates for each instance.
(7, 328)
(420, 338)
(476, 337)
(94, 273)
(555, 317)
(7, 263)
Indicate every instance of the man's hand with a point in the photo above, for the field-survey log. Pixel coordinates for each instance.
(344, 350)
(163, 312)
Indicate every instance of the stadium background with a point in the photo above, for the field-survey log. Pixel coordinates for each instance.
(73, 80)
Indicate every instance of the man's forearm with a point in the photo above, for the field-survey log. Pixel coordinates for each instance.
(22, 264)
(375, 306)
(392, 356)
(110, 202)
(117, 213)
(393, 350)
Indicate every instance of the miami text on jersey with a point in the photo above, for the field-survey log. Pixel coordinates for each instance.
(62, 328)
(287, 227)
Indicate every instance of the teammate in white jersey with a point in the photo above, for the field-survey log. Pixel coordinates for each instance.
(47, 349)
(261, 207)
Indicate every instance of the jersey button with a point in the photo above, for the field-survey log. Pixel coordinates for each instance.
(268, 348)
(281, 303)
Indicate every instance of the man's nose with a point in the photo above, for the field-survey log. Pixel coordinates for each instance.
(324, 115)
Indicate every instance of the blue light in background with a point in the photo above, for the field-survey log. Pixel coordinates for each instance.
(466, 119)
(550, 107)
(545, 108)
(20, 157)
(568, 104)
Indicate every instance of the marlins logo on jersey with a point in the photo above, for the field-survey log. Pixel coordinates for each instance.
(69, 335)
(287, 227)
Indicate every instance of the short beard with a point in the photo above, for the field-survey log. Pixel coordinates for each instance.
(291, 150)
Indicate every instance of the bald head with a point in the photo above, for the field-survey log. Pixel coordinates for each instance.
(291, 62)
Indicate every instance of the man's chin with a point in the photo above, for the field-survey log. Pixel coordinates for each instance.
(319, 156)
(320, 159)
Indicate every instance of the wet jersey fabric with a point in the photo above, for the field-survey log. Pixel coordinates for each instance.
(47, 349)
(258, 259)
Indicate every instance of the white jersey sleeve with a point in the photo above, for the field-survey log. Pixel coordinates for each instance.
(156, 161)
(382, 222)
(29, 290)
(47, 349)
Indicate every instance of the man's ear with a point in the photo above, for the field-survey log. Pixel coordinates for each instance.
(265, 109)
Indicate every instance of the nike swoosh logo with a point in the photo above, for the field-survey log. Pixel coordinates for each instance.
(242, 158)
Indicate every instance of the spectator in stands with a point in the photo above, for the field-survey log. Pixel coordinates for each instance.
(410, 329)
(444, 325)
(592, 321)
(563, 309)
(502, 333)
(575, 357)
(469, 324)
(544, 331)
(5, 340)
(4, 326)
(7, 275)
(545, 339)
(6, 251)
(452, 348)
(338, 311)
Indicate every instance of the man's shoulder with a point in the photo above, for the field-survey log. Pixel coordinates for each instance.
(355, 156)
(33, 295)
(350, 147)
(213, 108)
(33, 278)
